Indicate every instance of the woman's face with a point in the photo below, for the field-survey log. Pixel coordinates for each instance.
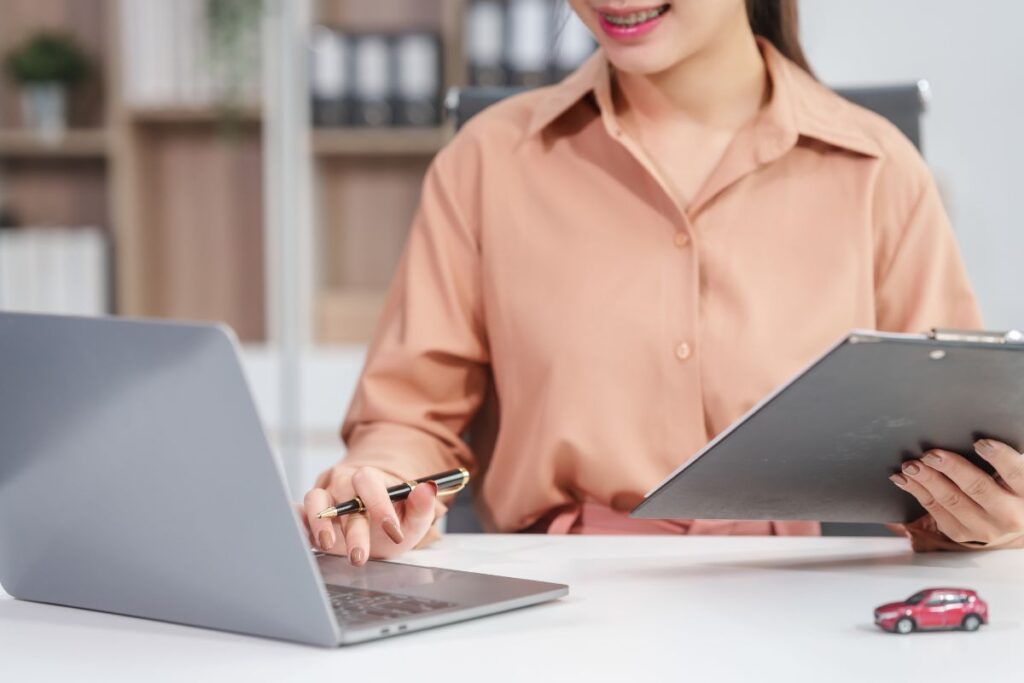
(647, 36)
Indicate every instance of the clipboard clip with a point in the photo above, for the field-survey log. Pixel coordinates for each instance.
(977, 336)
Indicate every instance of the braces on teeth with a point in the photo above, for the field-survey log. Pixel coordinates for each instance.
(634, 18)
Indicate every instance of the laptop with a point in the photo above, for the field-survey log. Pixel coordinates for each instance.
(135, 478)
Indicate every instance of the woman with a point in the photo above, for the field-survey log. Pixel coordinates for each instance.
(635, 256)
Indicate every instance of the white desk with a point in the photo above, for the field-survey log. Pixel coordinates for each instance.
(640, 608)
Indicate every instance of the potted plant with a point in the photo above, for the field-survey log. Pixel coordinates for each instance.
(45, 66)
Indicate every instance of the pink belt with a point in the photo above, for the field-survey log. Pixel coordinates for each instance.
(592, 518)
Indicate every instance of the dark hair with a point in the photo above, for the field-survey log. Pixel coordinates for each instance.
(776, 21)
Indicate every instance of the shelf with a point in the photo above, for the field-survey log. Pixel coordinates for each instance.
(204, 114)
(379, 141)
(84, 143)
(347, 315)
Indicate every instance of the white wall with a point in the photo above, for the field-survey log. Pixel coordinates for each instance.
(973, 56)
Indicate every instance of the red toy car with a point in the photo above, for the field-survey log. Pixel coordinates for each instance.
(934, 609)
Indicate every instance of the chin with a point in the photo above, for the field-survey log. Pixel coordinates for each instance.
(641, 60)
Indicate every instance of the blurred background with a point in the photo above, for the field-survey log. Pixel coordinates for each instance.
(258, 162)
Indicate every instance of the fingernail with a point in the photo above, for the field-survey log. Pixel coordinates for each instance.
(899, 480)
(983, 446)
(326, 540)
(911, 468)
(933, 459)
(433, 485)
(390, 527)
(357, 556)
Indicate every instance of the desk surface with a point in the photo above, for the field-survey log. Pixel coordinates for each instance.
(689, 608)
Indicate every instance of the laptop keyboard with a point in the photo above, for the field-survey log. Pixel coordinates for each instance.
(358, 605)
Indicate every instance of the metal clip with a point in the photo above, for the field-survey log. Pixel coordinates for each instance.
(978, 336)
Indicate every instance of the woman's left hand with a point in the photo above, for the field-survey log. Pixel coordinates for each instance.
(967, 505)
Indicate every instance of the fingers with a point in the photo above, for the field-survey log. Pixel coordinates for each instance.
(382, 530)
(366, 537)
(418, 511)
(977, 484)
(323, 479)
(944, 519)
(357, 538)
(321, 531)
(956, 513)
(370, 487)
(1006, 461)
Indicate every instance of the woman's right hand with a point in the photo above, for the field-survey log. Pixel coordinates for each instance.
(385, 530)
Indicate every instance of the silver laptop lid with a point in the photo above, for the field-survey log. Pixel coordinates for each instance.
(123, 443)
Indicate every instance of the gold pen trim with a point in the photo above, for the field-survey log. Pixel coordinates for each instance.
(462, 485)
(333, 511)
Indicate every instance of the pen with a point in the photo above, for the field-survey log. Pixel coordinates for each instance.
(448, 483)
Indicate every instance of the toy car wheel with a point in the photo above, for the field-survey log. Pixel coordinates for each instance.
(972, 622)
(904, 626)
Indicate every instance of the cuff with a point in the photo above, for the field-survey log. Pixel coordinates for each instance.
(406, 452)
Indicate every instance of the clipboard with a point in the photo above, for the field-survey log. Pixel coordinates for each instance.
(822, 446)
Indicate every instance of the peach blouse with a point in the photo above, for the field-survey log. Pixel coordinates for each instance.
(619, 330)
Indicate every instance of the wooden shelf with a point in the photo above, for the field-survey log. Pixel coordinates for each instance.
(177, 115)
(379, 141)
(87, 143)
(347, 315)
(184, 208)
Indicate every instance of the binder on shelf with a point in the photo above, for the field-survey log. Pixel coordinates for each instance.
(485, 42)
(331, 77)
(374, 88)
(166, 57)
(530, 33)
(523, 42)
(418, 79)
(54, 270)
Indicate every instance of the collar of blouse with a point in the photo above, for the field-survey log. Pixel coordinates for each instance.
(799, 106)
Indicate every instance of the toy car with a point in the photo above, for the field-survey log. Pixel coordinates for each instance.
(934, 609)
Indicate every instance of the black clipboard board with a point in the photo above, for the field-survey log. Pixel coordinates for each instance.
(822, 446)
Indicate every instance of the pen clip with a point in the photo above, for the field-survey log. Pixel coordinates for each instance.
(447, 492)
(462, 484)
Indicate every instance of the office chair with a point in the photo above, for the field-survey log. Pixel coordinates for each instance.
(901, 104)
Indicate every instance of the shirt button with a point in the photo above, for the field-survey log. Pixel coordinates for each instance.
(682, 239)
(683, 351)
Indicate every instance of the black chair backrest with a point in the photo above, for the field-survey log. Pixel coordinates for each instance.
(902, 104)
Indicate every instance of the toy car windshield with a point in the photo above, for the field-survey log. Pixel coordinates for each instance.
(915, 598)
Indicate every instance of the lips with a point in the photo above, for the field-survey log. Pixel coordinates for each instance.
(632, 22)
(633, 18)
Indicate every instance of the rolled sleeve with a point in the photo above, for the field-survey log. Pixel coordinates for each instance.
(426, 369)
(921, 281)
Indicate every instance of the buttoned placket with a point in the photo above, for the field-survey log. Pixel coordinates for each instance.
(683, 346)
(754, 146)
